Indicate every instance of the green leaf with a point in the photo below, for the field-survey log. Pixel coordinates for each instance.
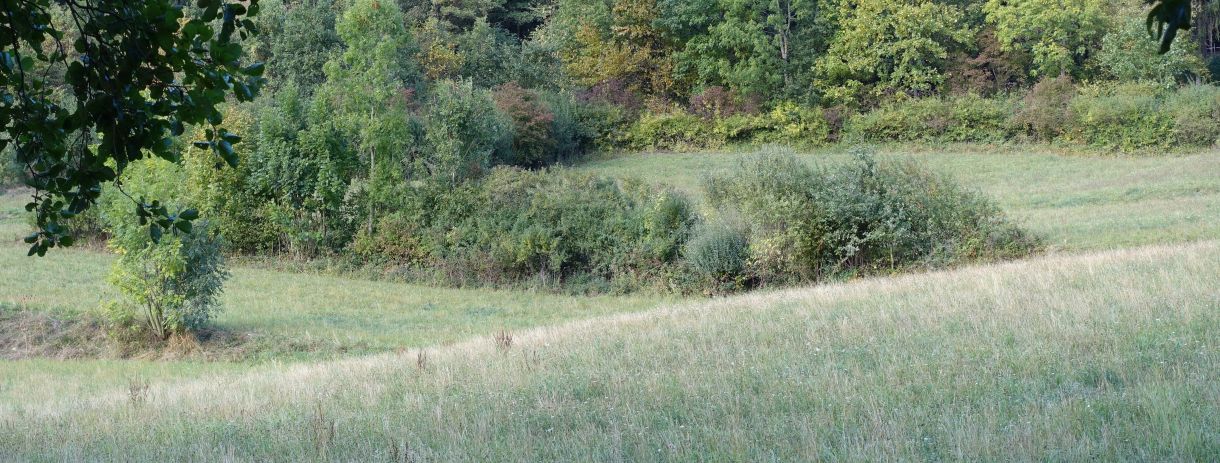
(183, 226)
(255, 70)
(189, 214)
(154, 232)
(225, 150)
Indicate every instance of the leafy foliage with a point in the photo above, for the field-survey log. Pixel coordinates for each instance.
(172, 281)
(550, 229)
(1058, 35)
(463, 129)
(1127, 55)
(137, 72)
(888, 48)
(868, 216)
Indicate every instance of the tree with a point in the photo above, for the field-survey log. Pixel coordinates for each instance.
(367, 88)
(887, 47)
(138, 72)
(615, 40)
(303, 43)
(462, 131)
(1127, 55)
(173, 282)
(754, 47)
(1059, 35)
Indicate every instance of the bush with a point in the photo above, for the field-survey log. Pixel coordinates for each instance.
(532, 122)
(462, 131)
(171, 283)
(967, 118)
(558, 230)
(1127, 55)
(672, 131)
(716, 102)
(1122, 118)
(867, 216)
(10, 171)
(1195, 111)
(796, 125)
(572, 134)
(174, 282)
(717, 255)
(1046, 110)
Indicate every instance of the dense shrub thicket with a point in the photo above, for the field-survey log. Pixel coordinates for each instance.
(772, 221)
(1110, 117)
(805, 223)
(549, 229)
(776, 221)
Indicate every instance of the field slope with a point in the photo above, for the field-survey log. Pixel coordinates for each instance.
(1109, 355)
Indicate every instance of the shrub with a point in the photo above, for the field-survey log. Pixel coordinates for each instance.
(716, 102)
(672, 131)
(532, 123)
(174, 281)
(462, 130)
(571, 134)
(555, 229)
(955, 119)
(797, 125)
(865, 216)
(1122, 118)
(1195, 111)
(1127, 55)
(10, 170)
(1046, 110)
(717, 255)
(743, 128)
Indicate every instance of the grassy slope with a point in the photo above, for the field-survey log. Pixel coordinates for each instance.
(1077, 202)
(1102, 356)
(1080, 203)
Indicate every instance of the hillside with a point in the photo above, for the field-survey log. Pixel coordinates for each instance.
(1107, 355)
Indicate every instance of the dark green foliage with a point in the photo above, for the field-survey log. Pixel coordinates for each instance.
(462, 130)
(137, 72)
(303, 42)
(868, 216)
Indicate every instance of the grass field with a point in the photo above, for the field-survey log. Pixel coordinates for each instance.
(1106, 356)
(1106, 348)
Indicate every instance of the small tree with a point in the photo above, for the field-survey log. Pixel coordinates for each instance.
(169, 278)
(172, 283)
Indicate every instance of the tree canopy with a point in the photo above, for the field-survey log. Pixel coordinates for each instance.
(137, 72)
(368, 95)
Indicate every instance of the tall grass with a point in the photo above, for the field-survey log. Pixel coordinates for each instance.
(1105, 356)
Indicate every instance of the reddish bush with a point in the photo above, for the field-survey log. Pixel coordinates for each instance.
(531, 120)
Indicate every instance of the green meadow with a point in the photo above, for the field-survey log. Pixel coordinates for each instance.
(1103, 347)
